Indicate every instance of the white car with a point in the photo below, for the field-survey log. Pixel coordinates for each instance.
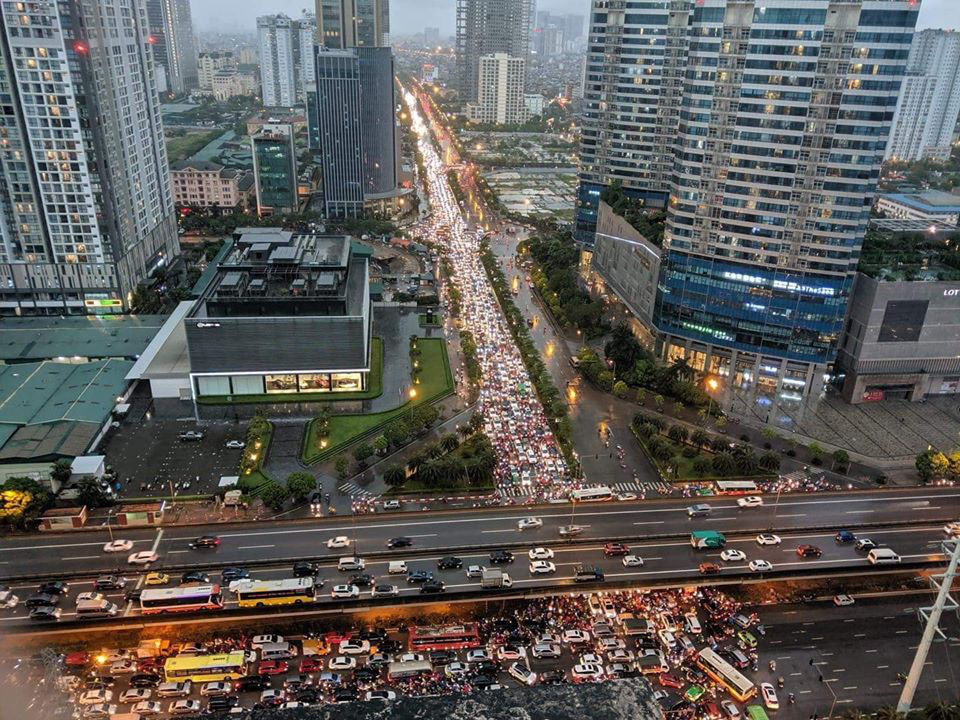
(843, 600)
(355, 647)
(546, 650)
(342, 662)
(411, 657)
(87, 597)
(135, 695)
(760, 566)
(587, 673)
(184, 707)
(589, 659)
(215, 689)
(522, 674)
(619, 655)
(731, 555)
(575, 637)
(270, 695)
(259, 641)
(769, 696)
(456, 669)
(474, 571)
(750, 501)
(632, 561)
(529, 523)
(100, 710)
(144, 557)
(118, 546)
(123, 667)
(478, 655)
(147, 709)
(542, 567)
(8, 599)
(95, 697)
(730, 708)
(511, 652)
(540, 553)
(768, 539)
(340, 541)
(624, 497)
(345, 592)
(236, 444)
(952, 529)
(381, 695)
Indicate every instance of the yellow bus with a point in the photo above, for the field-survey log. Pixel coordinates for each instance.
(724, 673)
(205, 668)
(258, 593)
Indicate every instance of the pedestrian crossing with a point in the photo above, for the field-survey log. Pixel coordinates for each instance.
(641, 487)
(355, 491)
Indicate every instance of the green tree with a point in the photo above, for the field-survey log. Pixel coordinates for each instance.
(91, 494)
(663, 453)
(620, 389)
(60, 472)
(449, 442)
(623, 348)
(380, 444)
(641, 396)
(723, 464)
(888, 712)
(431, 473)
(300, 484)
(770, 462)
(395, 476)
(719, 444)
(274, 496)
(941, 711)
(605, 380)
(747, 463)
(397, 432)
(815, 449)
(700, 438)
(658, 400)
(770, 434)
(678, 407)
(647, 430)
(432, 450)
(678, 433)
(681, 370)
(721, 423)
(361, 452)
(841, 458)
(342, 466)
(701, 466)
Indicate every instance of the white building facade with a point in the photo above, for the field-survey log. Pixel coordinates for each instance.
(286, 52)
(500, 97)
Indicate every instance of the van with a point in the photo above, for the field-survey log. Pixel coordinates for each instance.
(397, 567)
(739, 659)
(174, 689)
(351, 563)
(96, 608)
(588, 574)
(277, 651)
(699, 510)
(692, 624)
(882, 556)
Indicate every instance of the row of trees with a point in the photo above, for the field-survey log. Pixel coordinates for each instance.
(297, 487)
(933, 464)
(468, 346)
(450, 463)
(397, 433)
(555, 277)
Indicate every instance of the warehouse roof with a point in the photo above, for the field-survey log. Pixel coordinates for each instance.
(26, 339)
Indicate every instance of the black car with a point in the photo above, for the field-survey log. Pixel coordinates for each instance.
(305, 569)
(442, 657)
(144, 680)
(252, 682)
(205, 541)
(346, 695)
(309, 696)
(390, 646)
(223, 702)
(553, 677)
(419, 576)
(379, 660)
(501, 557)
(45, 613)
(54, 587)
(449, 563)
(365, 674)
(399, 542)
(233, 573)
(362, 580)
(109, 582)
(195, 576)
(433, 586)
(295, 682)
(133, 595)
(696, 676)
(42, 600)
(487, 667)
(484, 681)
(374, 635)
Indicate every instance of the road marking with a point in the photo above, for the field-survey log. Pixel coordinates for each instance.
(839, 670)
(825, 654)
(902, 632)
(82, 557)
(791, 516)
(795, 674)
(650, 522)
(850, 687)
(859, 512)
(860, 635)
(893, 684)
(882, 667)
(939, 679)
(254, 547)
(176, 552)
(804, 692)
(783, 657)
(871, 651)
(422, 536)
(499, 531)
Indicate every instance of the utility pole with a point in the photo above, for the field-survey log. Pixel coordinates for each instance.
(932, 615)
(833, 704)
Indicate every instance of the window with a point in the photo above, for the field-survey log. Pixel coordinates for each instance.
(247, 384)
(314, 383)
(903, 321)
(213, 385)
(346, 382)
(281, 383)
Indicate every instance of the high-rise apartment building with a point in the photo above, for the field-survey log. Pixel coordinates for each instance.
(500, 96)
(211, 63)
(86, 211)
(431, 36)
(275, 169)
(487, 27)
(345, 24)
(929, 104)
(175, 47)
(763, 127)
(286, 58)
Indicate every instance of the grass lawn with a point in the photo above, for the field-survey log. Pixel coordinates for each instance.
(182, 147)
(684, 465)
(257, 479)
(437, 321)
(436, 381)
(374, 388)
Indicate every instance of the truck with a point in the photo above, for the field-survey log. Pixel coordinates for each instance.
(495, 578)
(707, 540)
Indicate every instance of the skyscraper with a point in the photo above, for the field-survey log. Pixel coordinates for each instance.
(174, 45)
(765, 126)
(86, 211)
(500, 96)
(275, 169)
(485, 27)
(930, 98)
(286, 58)
(345, 24)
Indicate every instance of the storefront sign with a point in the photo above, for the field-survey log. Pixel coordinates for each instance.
(873, 396)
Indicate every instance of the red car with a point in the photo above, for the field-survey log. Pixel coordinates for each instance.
(76, 659)
(809, 551)
(668, 680)
(612, 549)
(709, 568)
(311, 664)
(273, 667)
(712, 711)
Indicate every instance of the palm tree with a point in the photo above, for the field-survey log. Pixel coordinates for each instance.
(941, 711)
(681, 370)
(700, 438)
(888, 712)
(450, 442)
(855, 714)
(432, 450)
(429, 472)
(417, 460)
(394, 476)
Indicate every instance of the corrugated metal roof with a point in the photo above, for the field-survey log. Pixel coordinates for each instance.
(45, 338)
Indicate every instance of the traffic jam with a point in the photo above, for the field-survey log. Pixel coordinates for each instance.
(698, 648)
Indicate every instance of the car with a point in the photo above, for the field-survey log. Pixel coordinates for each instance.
(952, 529)
(385, 695)
(768, 539)
(760, 566)
(184, 707)
(94, 697)
(156, 578)
(271, 697)
(212, 689)
(809, 551)
(344, 592)
(235, 444)
(456, 669)
(355, 647)
(570, 530)
(135, 695)
(379, 659)
(419, 576)
(529, 523)
(392, 505)
(750, 501)
(303, 568)
(553, 677)
(204, 542)
(620, 655)
(511, 652)
(442, 657)
(589, 659)
(222, 703)
(621, 671)
(865, 544)
(123, 667)
(273, 667)
(254, 682)
(109, 582)
(118, 546)
(587, 673)
(546, 650)
(615, 549)
(699, 510)
(340, 541)
(625, 497)
(100, 710)
(670, 681)
(630, 561)
(195, 576)
(399, 542)
(351, 563)
(346, 695)
(542, 567)
(540, 553)
(432, 586)
(144, 557)
(147, 708)
(411, 657)
(575, 637)
(342, 662)
(474, 571)
(362, 580)
(769, 696)
(88, 597)
(449, 563)
(522, 674)
(844, 536)
(144, 679)
(382, 591)
(190, 435)
(258, 641)
(709, 568)
(230, 574)
(730, 709)
(843, 600)
(501, 557)
(54, 587)
(478, 655)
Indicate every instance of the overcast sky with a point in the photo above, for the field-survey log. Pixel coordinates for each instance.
(410, 16)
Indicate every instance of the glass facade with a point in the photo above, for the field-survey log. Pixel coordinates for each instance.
(281, 384)
(275, 166)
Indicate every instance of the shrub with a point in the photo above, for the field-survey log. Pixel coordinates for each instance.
(770, 462)
(816, 460)
(300, 484)
(620, 389)
(274, 496)
(342, 466)
(702, 466)
(791, 453)
(689, 452)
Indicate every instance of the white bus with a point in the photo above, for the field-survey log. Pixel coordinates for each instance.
(593, 494)
(181, 599)
(736, 487)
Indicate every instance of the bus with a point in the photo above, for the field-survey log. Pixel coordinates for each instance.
(736, 487)
(205, 668)
(181, 599)
(258, 593)
(728, 676)
(756, 712)
(403, 670)
(594, 494)
(707, 539)
(444, 637)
